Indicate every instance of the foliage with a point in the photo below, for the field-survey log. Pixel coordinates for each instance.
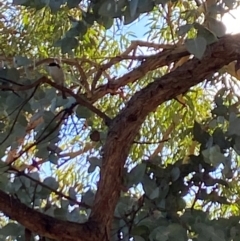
(143, 148)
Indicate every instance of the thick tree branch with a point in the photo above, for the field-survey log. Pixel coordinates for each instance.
(126, 125)
(45, 225)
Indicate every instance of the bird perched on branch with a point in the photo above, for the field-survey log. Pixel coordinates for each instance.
(57, 75)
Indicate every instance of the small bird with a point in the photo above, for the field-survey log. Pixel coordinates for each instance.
(57, 75)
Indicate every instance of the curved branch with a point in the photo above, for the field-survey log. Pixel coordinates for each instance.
(126, 125)
(45, 225)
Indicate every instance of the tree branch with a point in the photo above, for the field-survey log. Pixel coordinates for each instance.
(150, 63)
(126, 125)
(45, 225)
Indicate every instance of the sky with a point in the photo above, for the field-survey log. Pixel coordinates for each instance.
(232, 22)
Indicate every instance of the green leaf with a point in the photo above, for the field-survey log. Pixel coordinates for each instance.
(72, 194)
(4, 179)
(148, 185)
(52, 157)
(73, 3)
(155, 193)
(64, 204)
(234, 125)
(13, 103)
(136, 174)
(54, 5)
(145, 6)
(207, 232)
(177, 232)
(213, 156)
(51, 182)
(196, 46)
(22, 61)
(209, 36)
(220, 110)
(107, 22)
(13, 74)
(160, 233)
(219, 139)
(75, 216)
(34, 175)
(42, 151)
(133, 4)
(83, 112)
(184, 29)
(26, 182)
(37, 4)
(161, 1)
(11, 229)
(175, 173)
(79, 29)
(88, 197)
(67, 44)
(199, 134)
(111, 8)
(138, 238)
(3, 167)
(20, 2)
(94, 162)
(60, 213)
(44, 193)
(128, 18)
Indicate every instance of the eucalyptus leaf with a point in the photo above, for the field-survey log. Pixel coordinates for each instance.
(72, 194)
(74, 215)
(213, 156)
(51, 182)
(22, 61)
(20, 2)
(111, 8)
(68, 43)
(133, 4)
(160, 233)
(154, 194)
(175, 173)
(73, 3)
(184, 29)
(136, 174)
(54, 5)
(128, 17)
(204, 32)
(11, 229)
(234, 125)
(88, 197)
(83, 112)
(145, 6)
(196, 46)
(138, 238)
(60, 213)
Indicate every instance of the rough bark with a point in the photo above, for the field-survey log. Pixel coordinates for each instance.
(122, 132)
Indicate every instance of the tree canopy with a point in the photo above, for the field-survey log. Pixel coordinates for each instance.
(145, 146)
